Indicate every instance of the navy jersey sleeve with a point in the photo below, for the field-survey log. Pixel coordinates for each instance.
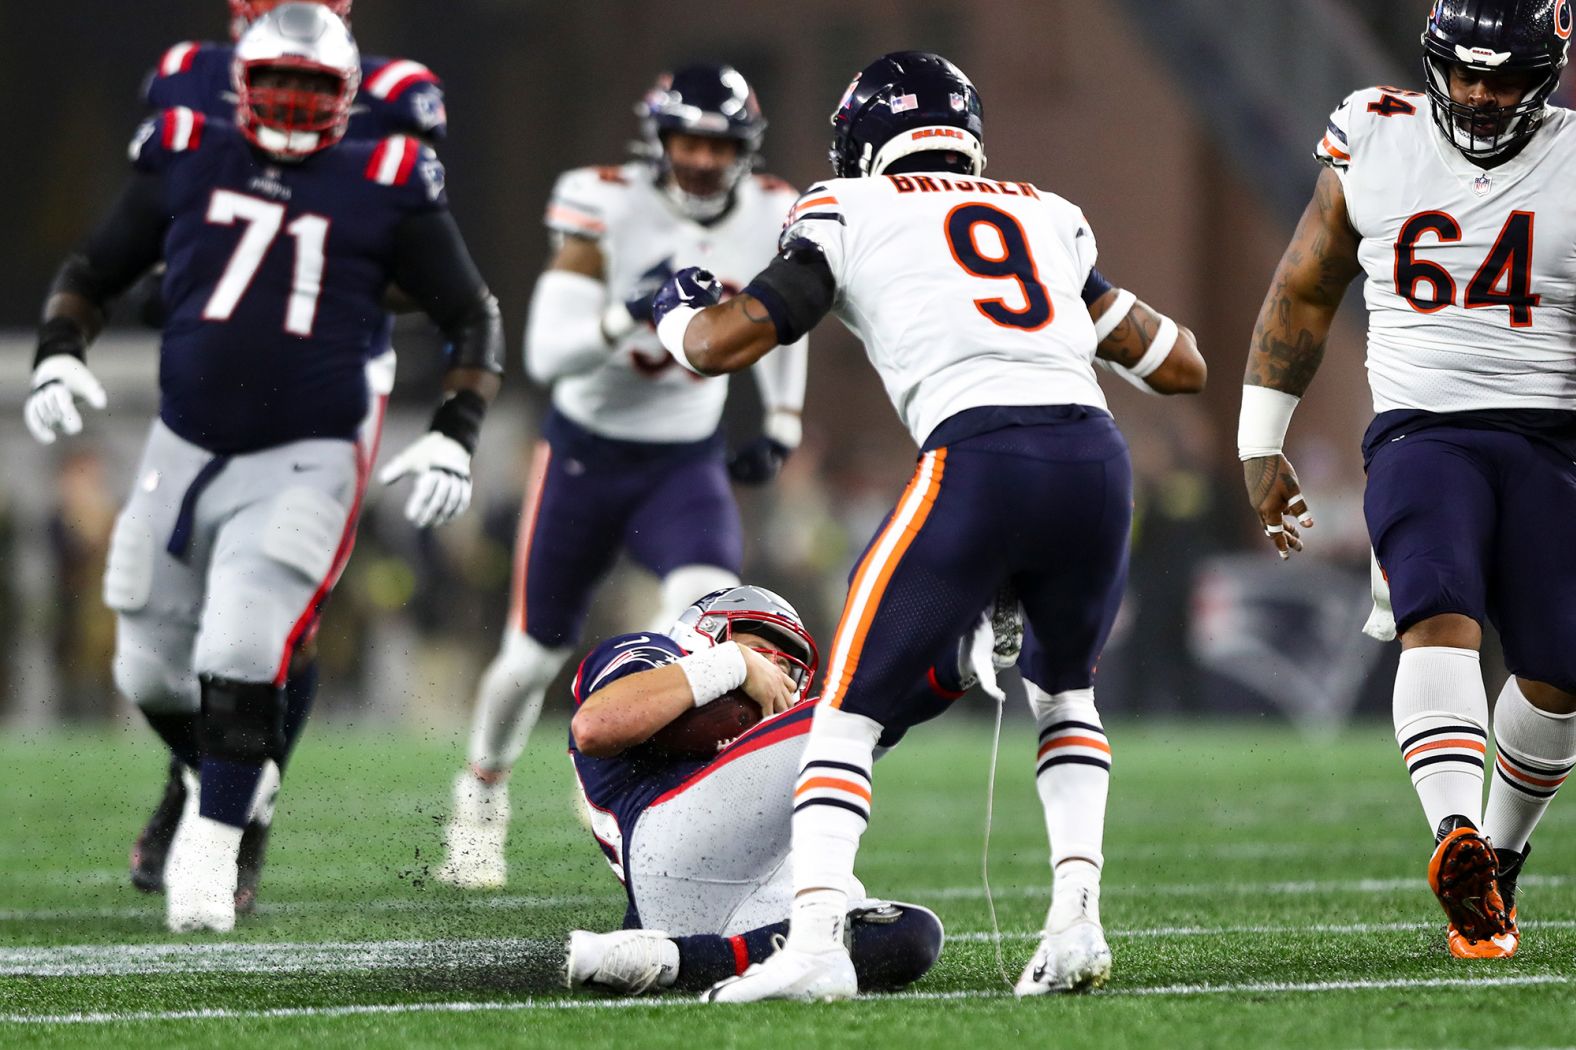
(412, 170)
(623, 655)
(165, 136)
(399, 95)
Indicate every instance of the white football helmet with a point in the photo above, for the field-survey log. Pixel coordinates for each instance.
(305, 42)
(715, 618)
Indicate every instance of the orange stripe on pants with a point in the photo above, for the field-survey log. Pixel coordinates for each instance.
(875, 572)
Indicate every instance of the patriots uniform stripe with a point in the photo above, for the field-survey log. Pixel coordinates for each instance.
(396, 78)
(182, 129)
(394, 159)
(178, 59)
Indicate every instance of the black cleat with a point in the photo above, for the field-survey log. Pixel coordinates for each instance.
(152, 846)
(254, 847)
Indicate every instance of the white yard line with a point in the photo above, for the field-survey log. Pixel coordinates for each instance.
(1178, 990)
(113, 960)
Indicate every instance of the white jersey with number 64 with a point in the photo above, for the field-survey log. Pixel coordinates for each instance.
(1471, 272)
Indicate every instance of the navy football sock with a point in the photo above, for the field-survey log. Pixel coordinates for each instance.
(300, 692)
(227, 790)
(179, 733)
(706, 958)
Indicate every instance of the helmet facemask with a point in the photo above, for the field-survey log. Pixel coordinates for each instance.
(1486, 132)
(716, 618)
(705, 101)
(291, 109)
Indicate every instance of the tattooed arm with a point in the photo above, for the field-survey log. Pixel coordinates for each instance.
(1288, 344)
(730, 336)
(1181, 372)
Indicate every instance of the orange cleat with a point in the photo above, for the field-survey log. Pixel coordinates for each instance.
(1462, 874)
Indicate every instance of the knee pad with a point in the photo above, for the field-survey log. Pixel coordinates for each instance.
(242, 721)
(154, 686)
(893, 944)
(682, 586)
(128, 571)
(304, 530)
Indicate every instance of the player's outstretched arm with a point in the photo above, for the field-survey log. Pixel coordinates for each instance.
(1288, 345)
(123, 247)
(1147, 345)
(433, 266)
(777, 308)
(572, 327)
(630, 710)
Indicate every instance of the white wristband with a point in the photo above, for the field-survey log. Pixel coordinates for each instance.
(714, 673)
(1159, 349)
(784, 427)
(617, 322)
(1265, 418)
(671, 331)
(1119, 309)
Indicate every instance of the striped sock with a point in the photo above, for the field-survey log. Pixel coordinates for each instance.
(1535, 752)
(1440, 712)
(1072, 772)
(831, 811)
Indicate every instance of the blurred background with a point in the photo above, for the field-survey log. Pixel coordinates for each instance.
(1183, 127)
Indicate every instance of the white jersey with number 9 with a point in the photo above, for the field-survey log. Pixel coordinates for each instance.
(966, 292)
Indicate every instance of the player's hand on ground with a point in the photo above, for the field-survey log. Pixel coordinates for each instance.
(758, 462)
(442, 469)
(690, 286)
(1277, 496)
(767, 684)
(59, 382)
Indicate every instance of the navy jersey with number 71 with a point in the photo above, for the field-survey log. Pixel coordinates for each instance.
(276, 276)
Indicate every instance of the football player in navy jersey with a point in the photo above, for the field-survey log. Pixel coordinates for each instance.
(701, 843)
(397, 96)
(281, 241)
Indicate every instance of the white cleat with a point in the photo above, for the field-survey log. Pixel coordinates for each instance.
(200, 876)
(628, 962)
(791, 974)
(474, 837)
(1073, 955)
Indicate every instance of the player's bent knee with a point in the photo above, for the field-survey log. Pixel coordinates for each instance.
(243, 634)
(242, 721)
(304, 530)
(529, 663)
(894, 945)
(153, 685)
(682, 586)
(128, 571)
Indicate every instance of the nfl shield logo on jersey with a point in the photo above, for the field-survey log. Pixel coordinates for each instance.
(1483, 184)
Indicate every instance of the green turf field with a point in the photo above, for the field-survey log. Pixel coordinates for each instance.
(1260, 891)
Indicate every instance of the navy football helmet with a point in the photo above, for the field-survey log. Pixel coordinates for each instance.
(714, 618)
(905, 103)
(1530, 37)
(712, 101)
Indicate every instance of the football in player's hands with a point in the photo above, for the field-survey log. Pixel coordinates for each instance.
(690, 286)
(702, 731)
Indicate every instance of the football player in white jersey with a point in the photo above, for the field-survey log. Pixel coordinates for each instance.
(631, 457)
(1454, 204)
(979, 306)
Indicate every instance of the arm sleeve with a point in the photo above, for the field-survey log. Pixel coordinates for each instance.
(1095, 287)
(124, 246)
(621, 656)
(780, 376)
(563, 334)
(433, 266)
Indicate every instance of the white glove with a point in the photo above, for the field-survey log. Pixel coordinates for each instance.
(442, 469)
(58, 381)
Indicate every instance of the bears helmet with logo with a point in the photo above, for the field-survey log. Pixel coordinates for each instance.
(1495, 36)
(904, 103)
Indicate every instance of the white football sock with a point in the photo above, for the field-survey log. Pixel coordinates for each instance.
(1072, 773)
(685, 585)
(1534, 753)
(1441, 715)
(831, 812)
(510, 700)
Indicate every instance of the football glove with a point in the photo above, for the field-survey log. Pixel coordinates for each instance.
(758, 462)
(691, 287)
(442, 469)
(59, 381)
